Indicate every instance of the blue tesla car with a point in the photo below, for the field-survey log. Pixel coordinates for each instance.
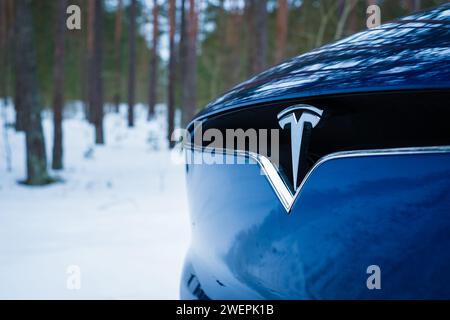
(328, 175)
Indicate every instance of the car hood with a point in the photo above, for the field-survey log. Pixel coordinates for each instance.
(410, 53)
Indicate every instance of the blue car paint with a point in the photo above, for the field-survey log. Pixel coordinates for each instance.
(391, 211)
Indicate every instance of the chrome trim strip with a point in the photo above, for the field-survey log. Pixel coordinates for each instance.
(284, 194)
(276, 181)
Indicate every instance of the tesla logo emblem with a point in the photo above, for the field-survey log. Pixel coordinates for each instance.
(309, 115)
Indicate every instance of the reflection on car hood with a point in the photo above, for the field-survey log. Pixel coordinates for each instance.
(411, 53)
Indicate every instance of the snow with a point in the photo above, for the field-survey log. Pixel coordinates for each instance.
(119, 215)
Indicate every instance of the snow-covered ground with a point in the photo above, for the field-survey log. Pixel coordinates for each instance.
(119, 216)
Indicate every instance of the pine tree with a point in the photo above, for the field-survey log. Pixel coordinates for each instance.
(257, 20)
(190, 83)
(26, 72)
(172, 76)
(118, 54)
(153, 61)
(282, 27)
(90, 64)
(131, 63)
(96, 86)
(58, 95)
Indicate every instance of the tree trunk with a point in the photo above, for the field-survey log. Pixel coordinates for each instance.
(183, 59)
(417, 5)
(5, 54)
(6, 38)
(324, 19)
(90, 64)
(118, 54)
(96, 69)
(83, 56)
(257, 11)
(172, 77)
(3, 49)
(354, 19)
(58, 95)
(26, 72)
(348, 7)
(18, 106)
(281, 34)
(153, 61)
(190, 84)
(131, 63)
(412, 5)
(233, 40)
(20, 122)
